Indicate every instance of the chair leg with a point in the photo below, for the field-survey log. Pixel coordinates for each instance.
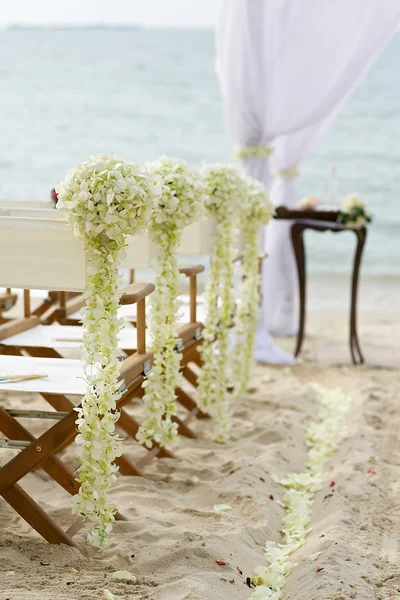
(131, 427)
(299, 252)
(354, 343)
(26, 507)
(33, 514)
(53, 466)
(190, 375)
(183, 428)
(198, 359)
(34, 455)
(187, 402)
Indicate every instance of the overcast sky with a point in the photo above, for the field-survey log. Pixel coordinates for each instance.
(165, 13)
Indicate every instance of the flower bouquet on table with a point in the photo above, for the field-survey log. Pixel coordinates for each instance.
(309, 203)
(353, 213)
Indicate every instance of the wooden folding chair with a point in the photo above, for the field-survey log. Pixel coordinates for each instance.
(8, 299)
(140, 255)
(49, 256)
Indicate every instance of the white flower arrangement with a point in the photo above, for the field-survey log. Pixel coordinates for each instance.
(256, 211)
(322, 438)
(255, 151)
(353, 213)
(308, 203)
(104, 199)
(225, 188)
(181, 203)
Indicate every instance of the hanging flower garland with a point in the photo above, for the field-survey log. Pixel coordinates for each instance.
(181, 203)
(104, 199)
(256, 211)
(321, 437)
(225, 188)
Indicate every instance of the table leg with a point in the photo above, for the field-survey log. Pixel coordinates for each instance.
(299, 252)
(354, 343)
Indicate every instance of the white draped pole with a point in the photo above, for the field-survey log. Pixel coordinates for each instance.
(280, 273)
(285, 66)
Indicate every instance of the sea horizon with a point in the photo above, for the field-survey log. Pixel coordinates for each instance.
(144, 92)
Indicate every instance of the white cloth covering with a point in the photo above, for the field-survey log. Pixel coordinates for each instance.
(63, 337)
(64, 375)
(286, 66)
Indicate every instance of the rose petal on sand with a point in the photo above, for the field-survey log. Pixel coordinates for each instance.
(221, 563)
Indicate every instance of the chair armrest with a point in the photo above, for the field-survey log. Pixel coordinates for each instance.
(135, 292)
(191, 270)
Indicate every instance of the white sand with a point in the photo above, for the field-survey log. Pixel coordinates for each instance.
(173, 538)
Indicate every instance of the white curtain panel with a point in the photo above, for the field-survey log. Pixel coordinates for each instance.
(285, 66)
(280, 273)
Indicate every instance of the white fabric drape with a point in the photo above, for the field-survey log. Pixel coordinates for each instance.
(279, 284)
(285, 66)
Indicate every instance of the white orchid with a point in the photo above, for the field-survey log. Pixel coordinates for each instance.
(180, 204)
(225, 188)
(256, 211)
(264, 592)
(104, 199)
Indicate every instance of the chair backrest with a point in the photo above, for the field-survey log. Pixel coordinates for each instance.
(40, 254)
(196, 238)
(25, 204)
(43, 253)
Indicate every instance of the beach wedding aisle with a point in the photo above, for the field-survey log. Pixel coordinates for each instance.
(198, 531)
(199, 300)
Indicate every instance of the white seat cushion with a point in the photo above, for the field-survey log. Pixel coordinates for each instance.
(63, 337)
(64, 375)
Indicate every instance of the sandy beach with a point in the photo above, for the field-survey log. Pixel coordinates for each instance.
(174, 538)
(309, 122)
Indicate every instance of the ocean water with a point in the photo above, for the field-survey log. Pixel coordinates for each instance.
(143, 93)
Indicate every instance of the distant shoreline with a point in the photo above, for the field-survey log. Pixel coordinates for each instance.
(97, 27)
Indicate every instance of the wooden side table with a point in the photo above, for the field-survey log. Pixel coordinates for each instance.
(323, 221)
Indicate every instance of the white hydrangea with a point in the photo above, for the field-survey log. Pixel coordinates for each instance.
(104, 199)
(181, 203)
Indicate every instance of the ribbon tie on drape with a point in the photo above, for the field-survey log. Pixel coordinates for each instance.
(289, 173)
(253, 151)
